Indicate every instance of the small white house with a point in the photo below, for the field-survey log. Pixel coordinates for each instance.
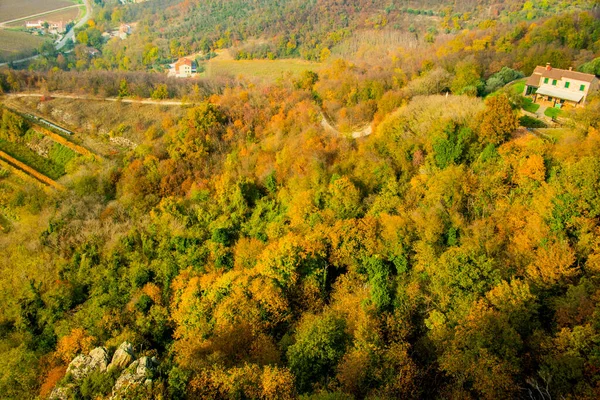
(183, 68)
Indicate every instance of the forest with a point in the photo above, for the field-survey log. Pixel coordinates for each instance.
(234, 246)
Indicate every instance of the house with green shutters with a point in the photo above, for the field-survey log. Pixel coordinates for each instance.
(560, 88)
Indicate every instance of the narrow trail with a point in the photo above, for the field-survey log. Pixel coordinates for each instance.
(356, 134)
(90, 98)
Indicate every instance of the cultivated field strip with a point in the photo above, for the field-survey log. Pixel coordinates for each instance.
(61, 140)
(10, 10)
(36, 122)
(22, 174)
(30, 171)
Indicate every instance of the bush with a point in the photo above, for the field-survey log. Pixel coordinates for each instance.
(225, 236)
(12, 126)
(530, 122)
(178, 380)
(144, 303)
(85, 185)
(553, 112)
(501, 78)
(60, 154)
(98, 384)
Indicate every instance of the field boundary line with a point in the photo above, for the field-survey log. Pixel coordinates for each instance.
(3, 24)
(22, 174)
(26, 168)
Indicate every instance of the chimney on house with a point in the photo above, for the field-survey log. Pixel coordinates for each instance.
(548, 67)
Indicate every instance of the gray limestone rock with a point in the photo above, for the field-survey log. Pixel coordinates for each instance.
(62, 393)
(135, 375)
(123, 356)
(83, 365)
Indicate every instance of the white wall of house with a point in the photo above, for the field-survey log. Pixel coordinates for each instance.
(185, 71)
(573, 85)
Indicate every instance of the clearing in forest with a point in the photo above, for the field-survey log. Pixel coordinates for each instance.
(264, 70)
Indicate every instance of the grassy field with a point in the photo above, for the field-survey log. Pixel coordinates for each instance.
(61, 155)
(12, 9)
(264, 70)
(518, 87)
(530, 106)
(553, 112)
(374, 43)
(13, 43)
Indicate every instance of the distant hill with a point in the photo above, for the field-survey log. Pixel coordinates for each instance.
(305, 28)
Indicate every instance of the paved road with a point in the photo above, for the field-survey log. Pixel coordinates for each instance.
(82, 21)
(77, 97)
(66, 38)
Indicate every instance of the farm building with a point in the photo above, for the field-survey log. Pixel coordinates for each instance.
(183, 68)
(556, 87)
(53, 27)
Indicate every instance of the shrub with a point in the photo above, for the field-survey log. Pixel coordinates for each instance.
(60, 154)
(99, 384)
(530, 122)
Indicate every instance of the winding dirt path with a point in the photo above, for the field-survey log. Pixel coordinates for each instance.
(115, 99)
(363, 132)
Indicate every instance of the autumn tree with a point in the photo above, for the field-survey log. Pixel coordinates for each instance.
(320, 343)
(498, 121)
(161, 92)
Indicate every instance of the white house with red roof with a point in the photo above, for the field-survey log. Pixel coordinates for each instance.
(183, 68)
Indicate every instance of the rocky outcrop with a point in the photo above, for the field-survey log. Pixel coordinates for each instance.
(79, 368)
(63, 393)
(83, 365)
(135, 377)
(123, 142)
(123, 356)
(139, 373)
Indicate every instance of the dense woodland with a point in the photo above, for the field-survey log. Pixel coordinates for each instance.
(450, 254)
